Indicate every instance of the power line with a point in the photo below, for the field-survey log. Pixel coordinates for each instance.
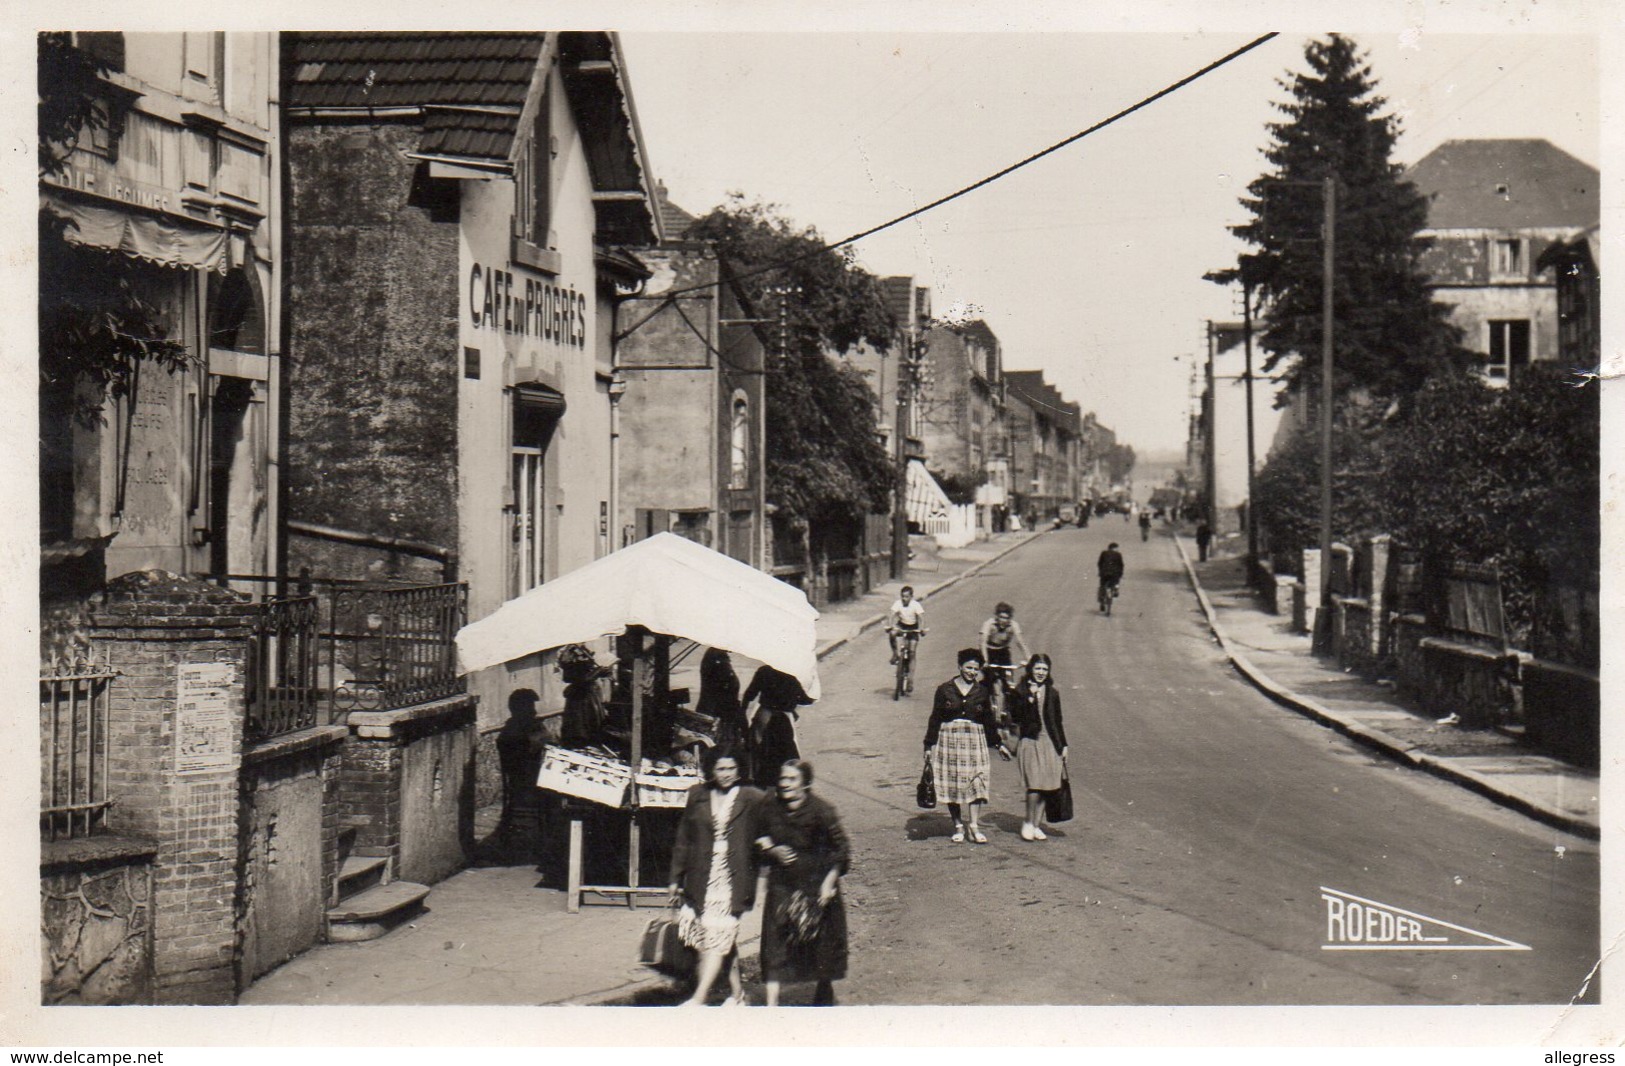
(1012, 168)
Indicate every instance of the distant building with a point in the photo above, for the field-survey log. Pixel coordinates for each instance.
(1044, 431)
(962, 429)
(460, 209)
(1494, 207)
(1579, 299)
(175, 197)
(690, 426)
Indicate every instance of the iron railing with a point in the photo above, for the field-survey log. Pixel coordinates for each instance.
(393, 647)
(342, 645)
(283, 688)
(73, 749)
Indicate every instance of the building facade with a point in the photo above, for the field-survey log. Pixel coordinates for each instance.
(1044, 430)
(961, 403)
(1494, 207)
(690, 432)
(460, 209)
(164, 216)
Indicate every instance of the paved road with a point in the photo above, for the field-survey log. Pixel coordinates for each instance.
(1208, 821)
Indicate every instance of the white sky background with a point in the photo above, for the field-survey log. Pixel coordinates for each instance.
(1087, 264)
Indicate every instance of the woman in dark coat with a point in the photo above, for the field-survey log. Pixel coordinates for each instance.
(713, 870)
(961, 731)
(1041, 751)
(804, 927)
(719, 698)
(773, 731)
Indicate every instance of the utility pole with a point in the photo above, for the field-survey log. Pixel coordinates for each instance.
(1247, 379)
(1323, 627)
(1210, 466)
(910, 359)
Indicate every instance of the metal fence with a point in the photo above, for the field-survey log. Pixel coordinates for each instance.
(283, 689)
(393, 647)
(73, 749)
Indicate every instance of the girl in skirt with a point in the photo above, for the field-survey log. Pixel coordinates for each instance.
(962, 730)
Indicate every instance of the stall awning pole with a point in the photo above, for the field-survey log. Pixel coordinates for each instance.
(640, 677)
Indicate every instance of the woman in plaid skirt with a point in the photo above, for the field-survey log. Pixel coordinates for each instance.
(962, 730)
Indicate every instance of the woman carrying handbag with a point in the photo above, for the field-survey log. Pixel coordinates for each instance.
(1041, 751)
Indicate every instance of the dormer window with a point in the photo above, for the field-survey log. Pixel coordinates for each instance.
(533, 194)
(1507, 258)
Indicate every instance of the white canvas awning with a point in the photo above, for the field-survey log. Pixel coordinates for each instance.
(667, 585)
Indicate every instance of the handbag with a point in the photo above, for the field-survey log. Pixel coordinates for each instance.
(925, 793)
(663, 949)
(1058, 804)
(799, 916)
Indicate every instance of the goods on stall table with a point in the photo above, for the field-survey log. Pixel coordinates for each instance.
(665, 786)
(585, 776)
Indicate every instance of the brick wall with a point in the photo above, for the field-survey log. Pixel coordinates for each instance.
(152, 623)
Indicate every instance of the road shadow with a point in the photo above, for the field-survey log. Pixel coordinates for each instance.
(929, 825)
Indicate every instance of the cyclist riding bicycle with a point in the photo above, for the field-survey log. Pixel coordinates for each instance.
(999, 634)
(1110, 568)
(904, 618)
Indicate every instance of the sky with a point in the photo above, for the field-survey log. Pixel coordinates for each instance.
(1088, 263)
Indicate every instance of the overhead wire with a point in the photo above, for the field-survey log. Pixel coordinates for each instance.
(1005, 172)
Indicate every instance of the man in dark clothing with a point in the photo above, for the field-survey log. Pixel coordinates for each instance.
(1110, 568)
(1204, 537)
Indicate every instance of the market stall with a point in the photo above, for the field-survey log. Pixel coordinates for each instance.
(647, 593)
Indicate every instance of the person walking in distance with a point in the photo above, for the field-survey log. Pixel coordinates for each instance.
(1204, 538)
(1041, 751)
(1145, 525)
(905, 616)
(1110, 568)
(961, 732)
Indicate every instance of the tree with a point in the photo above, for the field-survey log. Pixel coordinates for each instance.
(1389, 334)
(824, 459)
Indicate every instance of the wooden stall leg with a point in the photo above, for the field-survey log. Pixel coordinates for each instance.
(572, 900)
(632, 861)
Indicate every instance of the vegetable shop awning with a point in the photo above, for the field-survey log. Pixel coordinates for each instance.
(666, 584)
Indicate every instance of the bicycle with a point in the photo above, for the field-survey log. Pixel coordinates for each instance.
(1108, 592)
(999, 690)
(905, 661)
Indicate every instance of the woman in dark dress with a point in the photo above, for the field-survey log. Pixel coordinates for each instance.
(1041, 751)
(713, 871)
(719, 698)
(773, 731)
(962, 730)
(804, 926)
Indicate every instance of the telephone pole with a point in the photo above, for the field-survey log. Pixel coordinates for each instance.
(910, 361)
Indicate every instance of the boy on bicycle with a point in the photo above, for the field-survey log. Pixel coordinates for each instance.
(1110, 567)
(905, 616)
(999, 634)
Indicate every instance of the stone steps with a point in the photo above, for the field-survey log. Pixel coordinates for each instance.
(374, 912)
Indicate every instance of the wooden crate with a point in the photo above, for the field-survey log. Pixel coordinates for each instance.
(584, 776)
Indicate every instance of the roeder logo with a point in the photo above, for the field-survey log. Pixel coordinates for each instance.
(1354, 923)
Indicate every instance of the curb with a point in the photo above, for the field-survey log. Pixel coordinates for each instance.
(1439, 766)
(874, 620)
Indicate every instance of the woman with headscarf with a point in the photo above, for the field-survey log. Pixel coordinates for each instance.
(961, 731)
(719, 698)
(1041, 751)
(773, 731)
(804, 924)
(713, 871)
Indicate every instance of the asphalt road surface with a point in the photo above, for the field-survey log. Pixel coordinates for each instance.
(1208, 821)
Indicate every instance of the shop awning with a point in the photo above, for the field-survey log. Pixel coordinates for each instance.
(155, 238)
(666, 584)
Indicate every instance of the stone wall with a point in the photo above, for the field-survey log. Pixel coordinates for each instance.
(289, 845)
(1562, 711)
(96, 921)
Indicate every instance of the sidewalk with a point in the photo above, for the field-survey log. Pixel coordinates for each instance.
(1281, 665)
(494, 935)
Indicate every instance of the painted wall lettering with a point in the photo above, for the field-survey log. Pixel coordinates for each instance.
(526, 307)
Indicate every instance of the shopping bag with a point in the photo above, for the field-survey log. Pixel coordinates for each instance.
(1058, 804)
(925, 793)
(663, 949)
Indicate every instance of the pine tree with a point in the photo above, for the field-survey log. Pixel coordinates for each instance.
(1389, 335)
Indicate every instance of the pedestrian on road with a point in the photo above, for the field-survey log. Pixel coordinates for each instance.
(1204, 537)
(773, 730)
(804, 926)
(1145, 525)
(719, 698)
(713, 871)
(1041, 751)
(961, 731)
(904, 616)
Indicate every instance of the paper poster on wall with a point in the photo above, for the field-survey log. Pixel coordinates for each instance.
(203, 717)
